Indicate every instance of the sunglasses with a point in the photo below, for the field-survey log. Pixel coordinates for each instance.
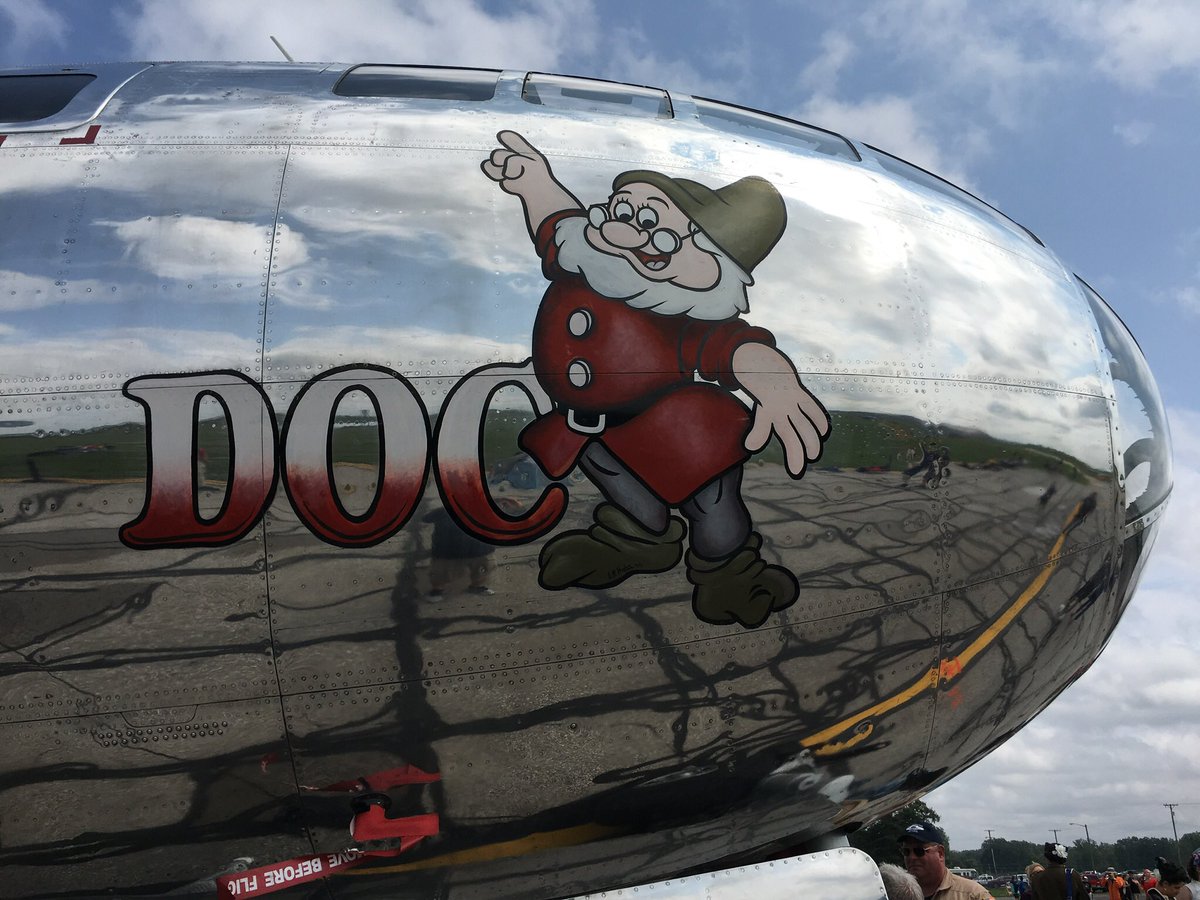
(916, 851)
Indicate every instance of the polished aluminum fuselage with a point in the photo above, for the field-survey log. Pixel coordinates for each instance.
(997, 465)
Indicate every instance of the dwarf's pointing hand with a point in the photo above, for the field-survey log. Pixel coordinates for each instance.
(520, 169)
(516, 164)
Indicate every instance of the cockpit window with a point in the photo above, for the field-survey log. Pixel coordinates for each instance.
(418, 83)
(592, 95)
(776, 128)
(28, 98)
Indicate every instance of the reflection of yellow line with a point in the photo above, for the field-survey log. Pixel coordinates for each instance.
(542, 840)
(944, 672)
(947, 669)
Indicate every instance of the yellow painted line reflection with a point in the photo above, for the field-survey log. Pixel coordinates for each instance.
(533, 843)
(822, 743)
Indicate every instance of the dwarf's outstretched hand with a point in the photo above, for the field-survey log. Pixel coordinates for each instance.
(516, 164)
(520, 169)
(783, 406)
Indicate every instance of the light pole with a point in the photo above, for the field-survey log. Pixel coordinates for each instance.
(1178, 852)
(1088, 836)
(1055, 831)
(992, 847)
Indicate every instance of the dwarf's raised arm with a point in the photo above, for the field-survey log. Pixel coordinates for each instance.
(519, 168)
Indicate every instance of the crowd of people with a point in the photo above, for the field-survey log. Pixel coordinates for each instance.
(1054, 881)
(925, 875)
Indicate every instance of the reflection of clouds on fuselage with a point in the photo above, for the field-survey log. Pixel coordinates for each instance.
(198, 246)
(874, 277)
(846, 303)
(616, 278)
(894, 286)
(432, 361)
(134, 350)
(19, 291)
(84, 390)
(1135, 425)
(399, 348)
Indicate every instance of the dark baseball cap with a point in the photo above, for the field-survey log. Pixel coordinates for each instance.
(925, 832)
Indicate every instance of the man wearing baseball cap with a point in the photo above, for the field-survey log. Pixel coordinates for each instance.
(1056, 881)
(923, 846)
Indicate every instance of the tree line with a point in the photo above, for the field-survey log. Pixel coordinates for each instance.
(1000, 856)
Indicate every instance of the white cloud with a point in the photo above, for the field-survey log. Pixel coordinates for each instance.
(821, 75)
(1134, 133)
(536, 35)
(629, 56)
(1188, 299)
(1135, 43)
(978, 51)
(30, 21)
(1179, 545)
(891, 123)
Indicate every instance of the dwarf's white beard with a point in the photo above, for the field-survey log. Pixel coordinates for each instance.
(613, 277)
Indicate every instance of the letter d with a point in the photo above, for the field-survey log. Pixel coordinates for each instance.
(171, 515)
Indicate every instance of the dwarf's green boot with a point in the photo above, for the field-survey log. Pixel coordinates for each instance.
(616, 547)
(740, 588)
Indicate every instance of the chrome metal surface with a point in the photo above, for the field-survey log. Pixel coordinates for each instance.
(84, 106)
(844, 874)
(344, 304)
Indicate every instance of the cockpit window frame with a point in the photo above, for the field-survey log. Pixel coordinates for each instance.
(897, 165)
(567, 93)
(31, 98)
(86, 103)
(765, 126)
(471, 87)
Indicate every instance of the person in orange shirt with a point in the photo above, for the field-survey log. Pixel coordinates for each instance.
(1114, 882)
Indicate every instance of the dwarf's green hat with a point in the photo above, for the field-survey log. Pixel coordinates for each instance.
(745, 219)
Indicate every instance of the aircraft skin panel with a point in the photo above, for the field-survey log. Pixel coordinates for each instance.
(833, 874)
(615, 484)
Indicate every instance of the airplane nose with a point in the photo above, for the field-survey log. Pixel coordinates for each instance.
(624, 235)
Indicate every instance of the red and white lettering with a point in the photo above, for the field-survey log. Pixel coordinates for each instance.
(238, 886)
(403, 455)
(277, 876)
(459, 467)
(171, 516)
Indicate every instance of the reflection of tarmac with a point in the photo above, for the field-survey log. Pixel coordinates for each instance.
(541, 710)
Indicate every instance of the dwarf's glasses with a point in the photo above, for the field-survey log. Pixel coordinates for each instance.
(664, 240)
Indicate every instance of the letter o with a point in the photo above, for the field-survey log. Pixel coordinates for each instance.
(404, 441)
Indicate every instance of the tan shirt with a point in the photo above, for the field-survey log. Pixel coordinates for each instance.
(955, 887)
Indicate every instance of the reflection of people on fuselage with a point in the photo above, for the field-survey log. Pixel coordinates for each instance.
(453, 553)
(647, 291)
(934, 462)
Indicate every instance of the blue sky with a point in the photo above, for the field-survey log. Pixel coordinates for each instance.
(1077, 118)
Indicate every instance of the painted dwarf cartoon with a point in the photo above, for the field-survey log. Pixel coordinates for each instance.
(646, 292)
